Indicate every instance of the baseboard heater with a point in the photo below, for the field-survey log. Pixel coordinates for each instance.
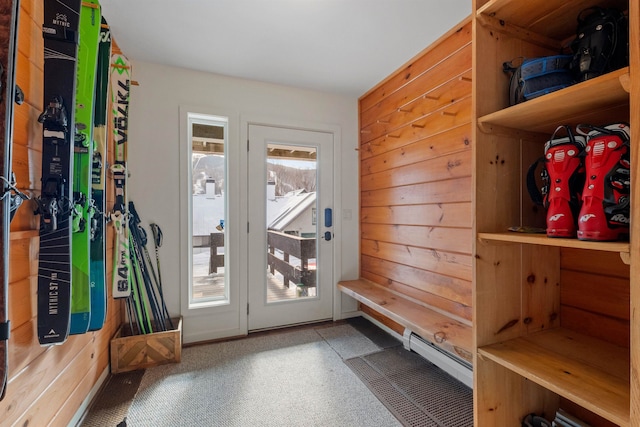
(457, 368)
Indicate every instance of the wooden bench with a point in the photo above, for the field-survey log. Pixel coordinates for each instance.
(441, 330)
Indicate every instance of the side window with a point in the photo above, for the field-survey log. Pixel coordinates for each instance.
(208, 137)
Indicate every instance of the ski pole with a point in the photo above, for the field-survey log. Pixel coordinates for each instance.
(157, 242)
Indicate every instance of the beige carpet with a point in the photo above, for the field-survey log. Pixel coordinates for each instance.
(325, 375)
(292, 378)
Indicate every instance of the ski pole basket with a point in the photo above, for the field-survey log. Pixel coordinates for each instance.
(132, 352)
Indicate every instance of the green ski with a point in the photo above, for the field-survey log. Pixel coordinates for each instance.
(83, 151)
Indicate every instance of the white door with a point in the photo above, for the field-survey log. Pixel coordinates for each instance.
(290, 230)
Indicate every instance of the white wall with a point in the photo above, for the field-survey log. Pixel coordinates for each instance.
(154, 158)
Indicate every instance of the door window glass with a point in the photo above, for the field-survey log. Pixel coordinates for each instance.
(291, 222)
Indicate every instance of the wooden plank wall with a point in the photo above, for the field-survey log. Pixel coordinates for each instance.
(415, 181)
(46, 385)
(595, 295)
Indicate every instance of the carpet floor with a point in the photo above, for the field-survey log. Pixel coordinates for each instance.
(347, 374)
(292, 378)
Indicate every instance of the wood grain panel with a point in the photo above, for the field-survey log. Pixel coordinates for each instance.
(450, 191)
(432, 124)
(40, 374)
(455, 39)
(540, 282)
(450, 92)
(24, 291)
(455, 309)
(597, 262)
(451, 166)
(504, 410)
(447, 142)
(27, 130)
(441, 214)
(27, 80)
(447, 263)
(95, 366)
(30, 41)
(99, 361)
(21, 166)
(443, 331)
(25, 220)
(444, 286)
(27, 179)
(446, 239)
(606, 295)
(458, 62)
(23, 348)
(391, 324)
(23, 255)
(415, 166)
(615, 331)
(60, 383)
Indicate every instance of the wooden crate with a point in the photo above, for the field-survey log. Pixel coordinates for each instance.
(131, 352)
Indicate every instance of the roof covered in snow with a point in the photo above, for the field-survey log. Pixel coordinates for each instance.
(295, 204)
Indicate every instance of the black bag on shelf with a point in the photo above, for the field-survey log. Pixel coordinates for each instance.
(601, 44)
(537, 76)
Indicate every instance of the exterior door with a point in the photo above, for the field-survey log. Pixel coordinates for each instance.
(290, 229)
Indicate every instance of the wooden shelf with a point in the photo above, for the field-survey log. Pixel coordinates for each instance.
(566, 106)
(541, 371)
(592, 373)
(555, 18)
(542, 239)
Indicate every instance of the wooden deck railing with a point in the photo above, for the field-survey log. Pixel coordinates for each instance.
(302, 248)
(212, 241)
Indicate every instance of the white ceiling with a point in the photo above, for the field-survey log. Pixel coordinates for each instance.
(340, 46)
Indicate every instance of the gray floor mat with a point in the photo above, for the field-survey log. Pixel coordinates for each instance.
(417, 392)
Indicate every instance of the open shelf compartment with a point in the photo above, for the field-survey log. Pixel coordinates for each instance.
(555, 18)
(592, 373)
(542, 239)
(602, 94)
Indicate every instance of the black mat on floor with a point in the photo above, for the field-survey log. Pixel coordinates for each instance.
(417, 392)
(374, 333)
(112, 403)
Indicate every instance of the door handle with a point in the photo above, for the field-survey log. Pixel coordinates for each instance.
(328, 217)
(328, 222)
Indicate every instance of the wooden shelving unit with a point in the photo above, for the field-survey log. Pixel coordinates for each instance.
(605, 96)
(525, 359)
(542, 240)
(590, 372)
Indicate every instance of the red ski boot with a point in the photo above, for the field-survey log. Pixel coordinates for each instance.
(605, 198)
(563, 178)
